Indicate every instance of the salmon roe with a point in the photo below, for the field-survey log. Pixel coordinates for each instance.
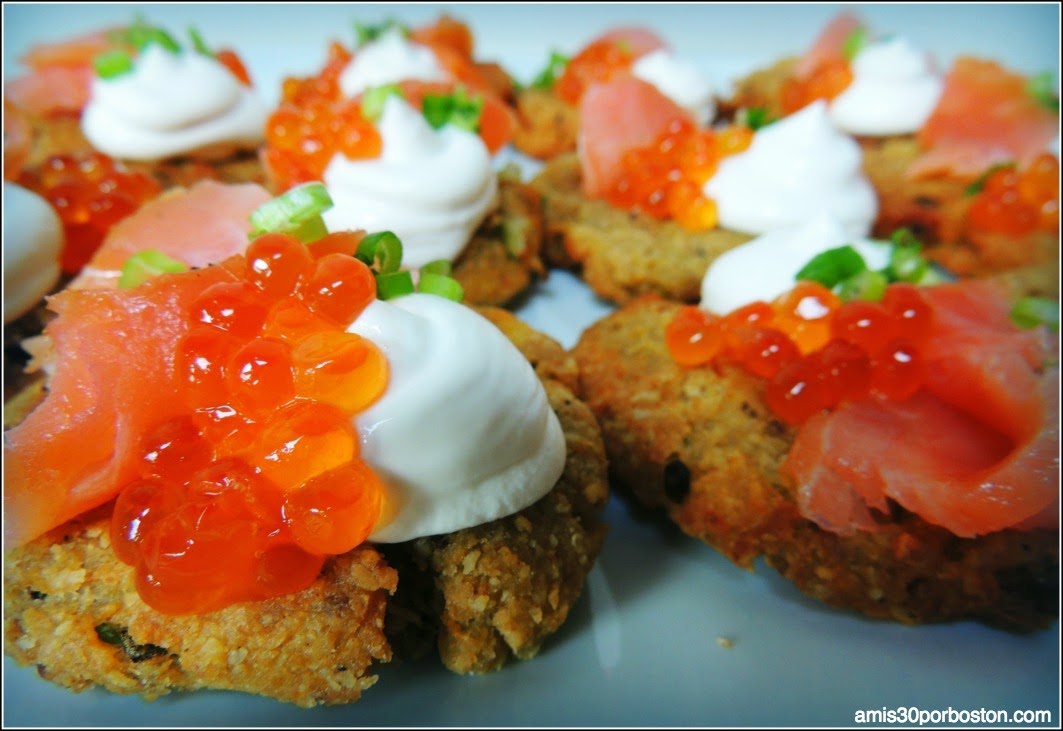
(813, 350)
(665, 179)
(828, 80)
(1017, 202)
(90, 193)
(244, 494)
(597, 63)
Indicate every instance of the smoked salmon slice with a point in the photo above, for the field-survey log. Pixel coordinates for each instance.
(974, 451)
(987, 115)
(829, 46)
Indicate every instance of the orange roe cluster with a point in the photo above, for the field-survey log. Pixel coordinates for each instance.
(597, 63)
(243, 494)
(313, 122)
(1017, 202)
(813, 350)
(828, 80)
(665, 179)
(90, 193)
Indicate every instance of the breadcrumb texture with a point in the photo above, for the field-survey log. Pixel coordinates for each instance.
(701, 445)
(483, 596)
(622, 254)
(546, 125)
(934, 209)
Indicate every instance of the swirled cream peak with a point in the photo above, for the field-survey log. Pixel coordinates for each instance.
(388, 59)
(680, 81)
(464, 433)
(431, 187)
(33, 240)
(172, 104)
(894, 90)
(794, 168)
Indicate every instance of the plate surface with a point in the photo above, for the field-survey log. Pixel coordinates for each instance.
(668, 633)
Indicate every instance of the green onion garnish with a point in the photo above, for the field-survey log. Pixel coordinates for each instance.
(1033, 311)
(548, 76)
(854, 43)
(906, 263)
(864, 285)
(976, 187)
(437, 266)
(754, 118)
(381, 251)
(296, 212)
(367, 33)
(833, 266)
(394, 284)
(373, 100)
(441, 285)
(112, 63)
(199, 44)
(1042, 88)
(148, 264)
(457, 109)
(140, 34)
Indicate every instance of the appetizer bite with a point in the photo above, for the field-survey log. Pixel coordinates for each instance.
(886, 440)
(960, 155)
(257, 475)
(548, 108)
(651, 198)
(402, 130)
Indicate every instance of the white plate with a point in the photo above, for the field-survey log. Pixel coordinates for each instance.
(647, 643)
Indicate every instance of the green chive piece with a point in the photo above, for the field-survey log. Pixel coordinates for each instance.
(438, 266)
(373, 100)
(199, 44)
(365, 33)
(394, 284)
(864, 285)
(1042, 88)
(441, 285)
(978, 185)
(854, 43)
(309, 230)
(546, 78)
(906, 263)
(148, 264)
(112, 63)
(1030, 312)
(754, 118)
(288, 212)
(515, 234)
(382, 251)
(140, 34)
(457, 109)
(832, 266)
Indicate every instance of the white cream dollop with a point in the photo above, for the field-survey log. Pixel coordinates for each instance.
(387, 59)
(431, 187)
(33, 240)
(766, 267)
(894, 90)
(680, 81)
(794, 168)
(464, 433)
(172, 104)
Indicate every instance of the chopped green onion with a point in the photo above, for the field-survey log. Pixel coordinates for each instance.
(373, 100)
(1033, 311)
(833, 266)
(548, 76)
(864, 285)
(112, 63)
(381, 251)
(140, 34)
(148, 264)
(515, 234)
(854, 43)
(368, 33)
(438, 266)
(754, 118)
(976, 187)
(297, 212)
(457, 109)
(906, 263)
(394, 284)
(1042, 88)
(441, 285)
(934, 274)
(199, 44)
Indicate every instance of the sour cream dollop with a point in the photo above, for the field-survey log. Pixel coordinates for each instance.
(464, 433)
(172, 104)
(388, 59)
(33, 240)
(794, 168)
(766, 267)
(680, 81)
(431, 187)
(894, 90)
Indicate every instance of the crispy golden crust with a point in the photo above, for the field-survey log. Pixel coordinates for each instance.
(484, 595)
(546, 125)
(700, 444)
(622, 254)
